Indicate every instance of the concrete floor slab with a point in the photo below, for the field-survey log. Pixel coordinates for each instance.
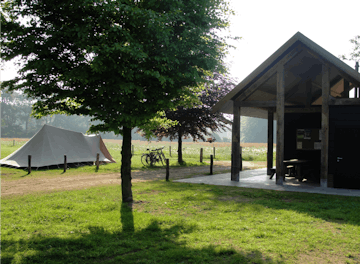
(259, 179)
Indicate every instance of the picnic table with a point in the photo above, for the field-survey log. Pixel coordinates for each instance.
(298, 164)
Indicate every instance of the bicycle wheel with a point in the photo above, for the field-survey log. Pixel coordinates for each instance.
(161, 159)
(163, 156)
(145, 159)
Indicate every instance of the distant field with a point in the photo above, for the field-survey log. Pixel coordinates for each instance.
(16, 139)
(191, 150)
(167, 143)
(174, 143)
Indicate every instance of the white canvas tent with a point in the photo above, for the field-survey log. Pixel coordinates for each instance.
(48, 147)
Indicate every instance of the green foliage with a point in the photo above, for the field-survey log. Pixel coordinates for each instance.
(120, 62)
(355, 54)
(195, 120)
(114, 60)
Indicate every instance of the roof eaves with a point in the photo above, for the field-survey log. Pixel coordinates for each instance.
(258, 72)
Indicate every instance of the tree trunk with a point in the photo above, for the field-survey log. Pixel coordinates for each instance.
(180, 159)
(126, 166)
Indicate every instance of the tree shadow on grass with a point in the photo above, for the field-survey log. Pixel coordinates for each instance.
(153, 244)
(331, 208)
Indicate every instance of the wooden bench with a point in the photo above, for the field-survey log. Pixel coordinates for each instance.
(273, 172)
(291, 170)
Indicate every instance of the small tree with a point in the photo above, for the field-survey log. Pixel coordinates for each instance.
(196, 121)
(355, 54)
(121, 62)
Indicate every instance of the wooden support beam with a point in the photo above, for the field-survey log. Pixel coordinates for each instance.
(264, 105)
(317, 94)
(325, 126)
(270, 141)
(308, 93)
(267, 75)
(313, 109)
(343, 101)
(328, 64)
(255, 104)
(280, 110)
(319, 58)
(346, 89)
(356, 92)
(235, 145)
(292, 91)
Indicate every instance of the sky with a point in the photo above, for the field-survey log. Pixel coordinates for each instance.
(264, 26)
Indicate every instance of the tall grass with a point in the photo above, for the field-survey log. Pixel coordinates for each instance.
(193, 151)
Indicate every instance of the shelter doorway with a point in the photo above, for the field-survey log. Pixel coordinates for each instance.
(347, 145)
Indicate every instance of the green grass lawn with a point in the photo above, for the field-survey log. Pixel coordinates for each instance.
(180, 223)
(191, 154)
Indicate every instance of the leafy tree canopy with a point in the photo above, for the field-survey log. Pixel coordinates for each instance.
(123, 62)
(112, 60)
(197, 121)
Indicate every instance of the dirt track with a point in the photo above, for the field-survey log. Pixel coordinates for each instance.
(27, 186)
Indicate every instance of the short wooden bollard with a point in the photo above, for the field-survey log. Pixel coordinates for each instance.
(29, 164)
(132, 149)
(65, 163)
(201, 155)
(97, 161)
(214, 152)
(170, 150)
(167, 170)
(211, 164)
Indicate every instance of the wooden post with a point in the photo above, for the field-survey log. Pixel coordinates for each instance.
(167, 170)
(65, 163)
(29, 164)
(132, 149)
(170, 150)
(357, 69)
(201, 154)
(346, 89)
(325, 126)
(270, 141)
(97, 161)
(211, 164)
(235, 145)
(280, 110)
(214, 152)
(308, 93)
(240, 159)
(356, 92)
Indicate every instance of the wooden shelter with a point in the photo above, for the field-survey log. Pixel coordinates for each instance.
(306, 90)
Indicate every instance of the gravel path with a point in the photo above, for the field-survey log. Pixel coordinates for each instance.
(27, 186)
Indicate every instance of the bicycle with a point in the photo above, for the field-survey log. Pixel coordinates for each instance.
(155, 155)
